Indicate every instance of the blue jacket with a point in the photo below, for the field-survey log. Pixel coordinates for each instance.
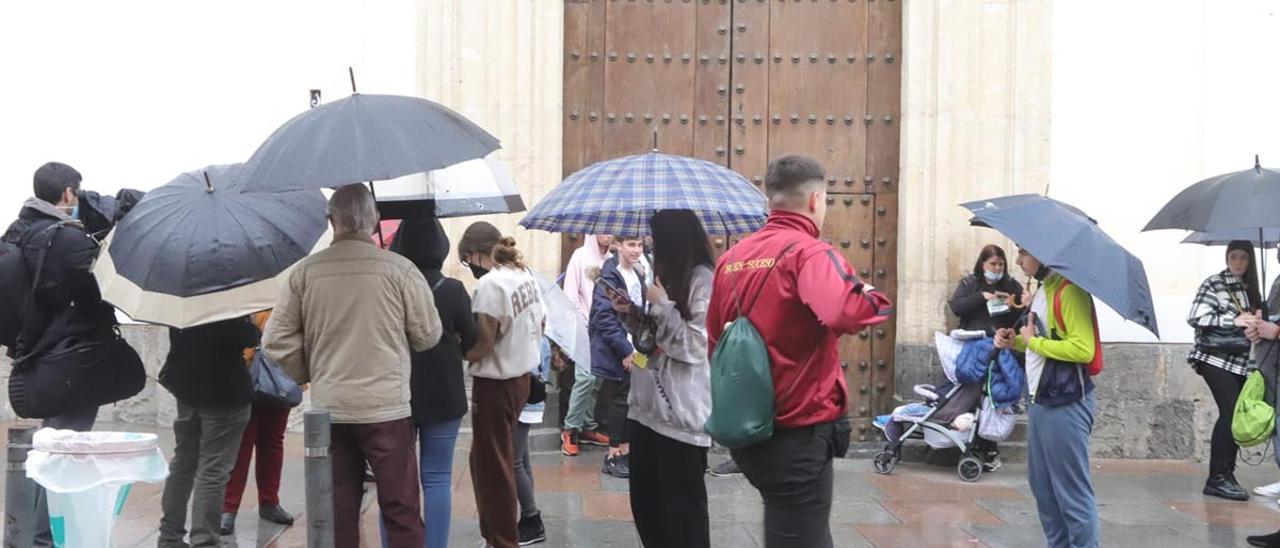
(609, 343)
(1007, 376)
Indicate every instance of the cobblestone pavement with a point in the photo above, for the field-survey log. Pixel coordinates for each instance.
(1142, 503)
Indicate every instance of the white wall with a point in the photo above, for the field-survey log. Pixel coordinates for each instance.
(134, 93)
(1150, 96)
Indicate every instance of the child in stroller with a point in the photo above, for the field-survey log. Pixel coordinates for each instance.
(954, 414)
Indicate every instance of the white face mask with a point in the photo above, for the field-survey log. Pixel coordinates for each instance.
(992, 277)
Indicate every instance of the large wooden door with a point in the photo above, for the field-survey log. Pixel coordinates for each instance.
(740, 83)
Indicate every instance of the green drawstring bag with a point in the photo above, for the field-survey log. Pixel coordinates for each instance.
(1253, 420)
(741, 388)
(742, 396)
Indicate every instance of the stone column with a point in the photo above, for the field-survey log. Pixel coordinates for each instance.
(500, 64)
(976, 115)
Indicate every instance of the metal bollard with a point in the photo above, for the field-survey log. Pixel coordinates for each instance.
(319, 473)
(19, 491)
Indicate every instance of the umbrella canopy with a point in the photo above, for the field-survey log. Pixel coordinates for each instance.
(1261, 238)
(564, 325)
(1244, 199)
(619, 196)
(1069, 242)
(194, 252)
(475, 187)
(363, 138)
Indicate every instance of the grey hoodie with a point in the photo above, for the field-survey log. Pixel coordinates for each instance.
(672, 395)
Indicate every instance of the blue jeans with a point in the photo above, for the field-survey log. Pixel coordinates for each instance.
(436, 442)
(1058, 471)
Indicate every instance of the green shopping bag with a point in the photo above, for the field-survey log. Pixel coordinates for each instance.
(1253, 420)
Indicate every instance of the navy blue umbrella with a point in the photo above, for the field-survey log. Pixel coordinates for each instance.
(1070, 242)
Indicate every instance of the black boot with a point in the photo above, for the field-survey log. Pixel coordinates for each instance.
(275, 514)
(531, 530)
(1224, 486)
(1265, 541)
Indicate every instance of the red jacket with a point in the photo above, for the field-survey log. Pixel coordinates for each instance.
(811, 299)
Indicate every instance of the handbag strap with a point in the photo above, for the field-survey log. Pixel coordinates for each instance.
(41, 256)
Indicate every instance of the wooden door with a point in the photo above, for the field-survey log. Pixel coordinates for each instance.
(740, 83)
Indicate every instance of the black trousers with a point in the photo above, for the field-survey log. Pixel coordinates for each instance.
(668, 492)
(1225, 387)
(793, 472)
(620, 390)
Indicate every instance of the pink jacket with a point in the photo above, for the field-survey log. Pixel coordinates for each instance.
(578, 284)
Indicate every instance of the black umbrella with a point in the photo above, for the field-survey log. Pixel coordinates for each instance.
(364, 138)
(1070, 243)
(1240, 201)
(199, 250)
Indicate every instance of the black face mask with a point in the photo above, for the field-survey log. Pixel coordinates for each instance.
(478, 271)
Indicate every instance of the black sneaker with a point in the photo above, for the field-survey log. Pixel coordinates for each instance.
(531, 530)
(617, 466)
(1265, 541)
(726, 469)
(227, 527)
(1223, 486)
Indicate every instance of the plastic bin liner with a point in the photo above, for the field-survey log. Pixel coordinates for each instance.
(88, 476)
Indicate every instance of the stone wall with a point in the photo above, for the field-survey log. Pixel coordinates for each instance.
(1151, 405)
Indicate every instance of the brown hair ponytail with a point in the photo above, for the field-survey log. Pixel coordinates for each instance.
(506, 254)
(482, 237)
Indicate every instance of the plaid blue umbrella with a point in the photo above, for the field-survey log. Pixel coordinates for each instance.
(619, 196)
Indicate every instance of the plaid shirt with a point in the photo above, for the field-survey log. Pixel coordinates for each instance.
(1219, 300)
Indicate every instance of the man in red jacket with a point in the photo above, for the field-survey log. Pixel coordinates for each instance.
(802, 296)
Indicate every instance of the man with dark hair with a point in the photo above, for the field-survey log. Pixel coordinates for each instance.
(801, 296)
(65, 279)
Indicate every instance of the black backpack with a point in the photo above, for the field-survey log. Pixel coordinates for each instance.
(15, 282)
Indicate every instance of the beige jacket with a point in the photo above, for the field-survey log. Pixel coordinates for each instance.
(346, 322)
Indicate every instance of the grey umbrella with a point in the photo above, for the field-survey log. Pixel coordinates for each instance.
(1070, 243)
(1242, 201)
(198, 249)
(1261, 238)
(363, 138)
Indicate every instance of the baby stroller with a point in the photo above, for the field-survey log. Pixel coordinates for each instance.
(948, 416)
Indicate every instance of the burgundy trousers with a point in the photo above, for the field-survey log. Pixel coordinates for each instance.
(495, 408)
(389, 448)
(264, 435)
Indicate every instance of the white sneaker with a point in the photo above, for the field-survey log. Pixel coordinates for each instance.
(1272, 490)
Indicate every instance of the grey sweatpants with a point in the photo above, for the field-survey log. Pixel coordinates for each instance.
(1058, 470)
(206, 443)
(524, 471)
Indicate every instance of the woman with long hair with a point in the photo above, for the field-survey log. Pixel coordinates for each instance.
(1224, 306)
(509, 315)
(671, 391)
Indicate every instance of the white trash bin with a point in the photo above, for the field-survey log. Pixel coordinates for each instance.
(88, 476)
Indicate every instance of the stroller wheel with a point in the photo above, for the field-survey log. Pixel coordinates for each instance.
(970, 469)
(885, 461)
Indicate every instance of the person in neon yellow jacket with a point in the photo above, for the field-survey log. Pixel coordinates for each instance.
(1062, 404)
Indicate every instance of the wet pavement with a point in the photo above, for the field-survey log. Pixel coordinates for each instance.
(1142, 503)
